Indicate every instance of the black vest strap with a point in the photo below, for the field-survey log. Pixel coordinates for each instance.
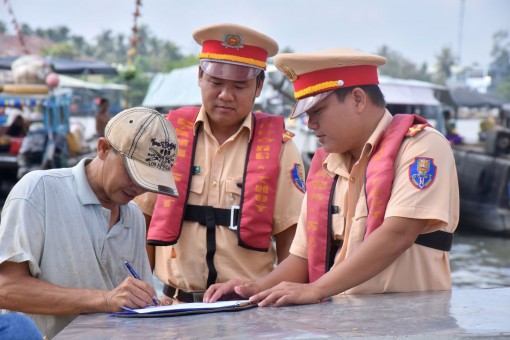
(332, 246)
(440, 240)
(210, 224)
(197, 213)
(210, 217)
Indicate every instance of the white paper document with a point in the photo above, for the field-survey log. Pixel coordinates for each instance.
(190, 306)
(186, 308)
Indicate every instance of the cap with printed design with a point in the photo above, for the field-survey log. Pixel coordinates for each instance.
(148, 143)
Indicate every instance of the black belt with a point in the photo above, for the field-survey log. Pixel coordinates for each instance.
(182, 295)
(440, 240)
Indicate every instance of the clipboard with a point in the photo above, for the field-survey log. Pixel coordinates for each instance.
(185, 309)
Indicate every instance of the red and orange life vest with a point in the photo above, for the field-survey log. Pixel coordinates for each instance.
(258, 195)
(379, 180)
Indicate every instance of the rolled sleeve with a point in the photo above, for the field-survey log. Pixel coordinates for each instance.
(22, 234)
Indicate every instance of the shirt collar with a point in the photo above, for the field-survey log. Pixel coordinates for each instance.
(202, 118)
(339, 163)
(83, 189)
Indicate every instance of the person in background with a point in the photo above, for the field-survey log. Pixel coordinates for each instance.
(240, 176)
(102, 116)
(66, 233)
(382, 198)
(451, 130)
(18, 128)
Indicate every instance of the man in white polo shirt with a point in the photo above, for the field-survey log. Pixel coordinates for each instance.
(65, 234)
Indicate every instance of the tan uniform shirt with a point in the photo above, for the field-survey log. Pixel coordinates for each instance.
(221, 169)
(419, 268)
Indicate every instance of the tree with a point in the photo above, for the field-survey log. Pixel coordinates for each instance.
(58, 34)
(26, 30)
(3, 27)
(400, 67)
(62, 50)
(499, 69)
(105, 46)
(444, 62)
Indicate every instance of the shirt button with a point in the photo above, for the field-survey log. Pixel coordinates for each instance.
(353, 179)
(214, 184)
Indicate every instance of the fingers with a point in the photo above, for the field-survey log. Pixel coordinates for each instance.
(286, 293)
(165, 300)
(274, 298)
(211, 293)
(218, 290)
(131, 293)
(246, 289)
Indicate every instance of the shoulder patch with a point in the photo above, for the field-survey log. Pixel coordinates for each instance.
(298, 177)
(422, 172)
(287, 135)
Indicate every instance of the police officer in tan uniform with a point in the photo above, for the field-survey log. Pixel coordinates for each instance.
(388, 224)
(222, 183)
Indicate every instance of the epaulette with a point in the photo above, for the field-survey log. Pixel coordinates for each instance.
(415, 129)
(287, 135)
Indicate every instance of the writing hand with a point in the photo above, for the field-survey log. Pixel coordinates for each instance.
(131, 293)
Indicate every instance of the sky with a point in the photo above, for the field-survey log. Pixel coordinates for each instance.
(417, 29)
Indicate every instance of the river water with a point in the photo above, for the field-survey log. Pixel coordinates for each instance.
(480, 261)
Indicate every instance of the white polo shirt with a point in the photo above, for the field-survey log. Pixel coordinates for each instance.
(53, 220)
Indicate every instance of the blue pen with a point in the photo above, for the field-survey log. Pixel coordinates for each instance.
(136, 276)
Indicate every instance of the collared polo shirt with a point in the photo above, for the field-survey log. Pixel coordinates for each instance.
(53, 220)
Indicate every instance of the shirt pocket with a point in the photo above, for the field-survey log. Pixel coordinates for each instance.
(233, 189)
(197, 184)
(338, 226)
(359, 223)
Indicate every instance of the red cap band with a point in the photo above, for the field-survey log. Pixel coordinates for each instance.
(331, 78)
(245, 54)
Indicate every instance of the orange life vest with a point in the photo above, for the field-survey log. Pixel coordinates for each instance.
(379, 180)
(254, 226)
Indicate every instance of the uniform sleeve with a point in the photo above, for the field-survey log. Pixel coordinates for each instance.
(22, 231)
(146, 202)
(299, 244)
(290, 188)
(425, 185)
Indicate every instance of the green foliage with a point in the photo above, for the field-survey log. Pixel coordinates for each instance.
(499, 70)
(63, 50)
(3, 28)
(502, 90)
(444, 62)
(400, 67)
(153, 54)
